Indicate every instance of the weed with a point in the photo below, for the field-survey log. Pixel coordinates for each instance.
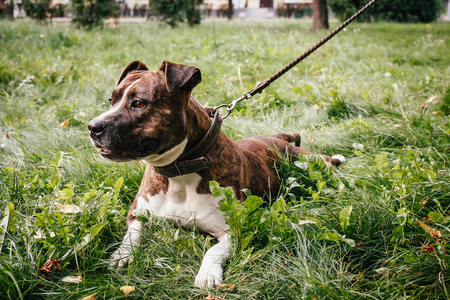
(376, 229)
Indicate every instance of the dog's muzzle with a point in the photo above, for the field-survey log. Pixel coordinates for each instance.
(96, 128)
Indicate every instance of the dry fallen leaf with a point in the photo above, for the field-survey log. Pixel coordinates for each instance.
(65, 123)
(425, 104)
(68, 208)
(126, 289)
(226, 286)
(317, 72)
(72, 279)
(50, 265)
(428, 248)
(211, 297)
(431, 231)
(425, 201)
(90, 297)
(7, 134)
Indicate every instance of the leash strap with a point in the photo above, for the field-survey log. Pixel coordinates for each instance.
(261, 86)
(193, 160)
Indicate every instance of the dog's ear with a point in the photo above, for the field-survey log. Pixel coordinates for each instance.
(132, 66)
(180, 77)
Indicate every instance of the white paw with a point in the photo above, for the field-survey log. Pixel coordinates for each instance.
(209, 275)
(120, 258)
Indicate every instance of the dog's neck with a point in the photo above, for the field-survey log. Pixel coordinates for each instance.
(200, 137)
(198, 124)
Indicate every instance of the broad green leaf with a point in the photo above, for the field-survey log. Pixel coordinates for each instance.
(431, 175)
(118, 184)
(93, 231)
(333, 236)
(66, 193)
(279, 205)
(344, 217)
(321, 185)
(397, 234)
(252, 203)
(435, 216)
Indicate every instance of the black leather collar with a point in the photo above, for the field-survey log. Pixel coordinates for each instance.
(194, 161)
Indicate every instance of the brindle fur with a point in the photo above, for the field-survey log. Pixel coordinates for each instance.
(173, 115)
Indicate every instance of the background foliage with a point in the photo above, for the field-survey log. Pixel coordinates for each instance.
(39, 9)
(176, 11)
(378, 228)
(90, 13)
(389, 10)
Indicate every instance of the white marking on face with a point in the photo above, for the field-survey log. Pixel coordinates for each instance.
(168, 157)
(117, 106)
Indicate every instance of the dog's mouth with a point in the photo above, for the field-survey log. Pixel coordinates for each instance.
(115, 156)
(110, 154)
(118, 155)
(103, 151)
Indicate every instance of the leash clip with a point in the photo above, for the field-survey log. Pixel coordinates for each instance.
(232, 105)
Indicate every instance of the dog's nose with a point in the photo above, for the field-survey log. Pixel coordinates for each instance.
(96, 127)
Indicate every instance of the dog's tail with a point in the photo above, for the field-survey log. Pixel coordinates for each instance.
(290, 138)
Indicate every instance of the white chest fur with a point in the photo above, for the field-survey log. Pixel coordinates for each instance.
(184, 205)
(181, 203)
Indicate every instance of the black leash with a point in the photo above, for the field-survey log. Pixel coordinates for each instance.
(194, 160)
(260, 87)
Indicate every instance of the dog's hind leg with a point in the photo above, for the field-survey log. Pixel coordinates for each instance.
(334, 160)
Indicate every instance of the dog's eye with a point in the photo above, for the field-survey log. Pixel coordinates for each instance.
(138, 104)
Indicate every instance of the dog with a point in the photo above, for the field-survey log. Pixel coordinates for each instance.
(153, 118)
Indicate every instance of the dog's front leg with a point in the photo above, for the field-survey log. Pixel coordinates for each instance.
(211, 270)
(123, 256)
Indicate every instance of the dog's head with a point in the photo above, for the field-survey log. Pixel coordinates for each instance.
(147, 114)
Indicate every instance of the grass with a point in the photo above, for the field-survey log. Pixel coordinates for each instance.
(365, 232)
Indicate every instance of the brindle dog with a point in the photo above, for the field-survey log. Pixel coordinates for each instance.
(154, 118)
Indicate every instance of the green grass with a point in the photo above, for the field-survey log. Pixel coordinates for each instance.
(353, 234)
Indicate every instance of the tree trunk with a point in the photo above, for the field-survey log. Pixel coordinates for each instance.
(2, 6)
(320, 15)
(448, 11)
(230, 9)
